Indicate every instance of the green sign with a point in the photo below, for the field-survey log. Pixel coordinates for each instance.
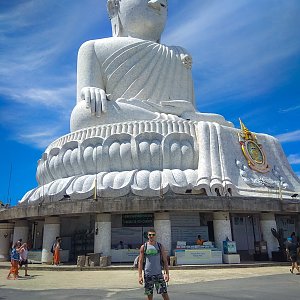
(137, 220)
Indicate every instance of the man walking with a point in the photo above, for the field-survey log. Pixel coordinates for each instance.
(291, 250)
(152, 260)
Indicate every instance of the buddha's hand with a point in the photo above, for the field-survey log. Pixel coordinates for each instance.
(96, 100)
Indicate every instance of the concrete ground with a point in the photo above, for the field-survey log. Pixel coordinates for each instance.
(126, 278)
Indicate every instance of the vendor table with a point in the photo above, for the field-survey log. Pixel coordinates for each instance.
(124, 255)
(198, 256)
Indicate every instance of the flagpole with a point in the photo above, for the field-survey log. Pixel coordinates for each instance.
(8, 189)
(95, 185)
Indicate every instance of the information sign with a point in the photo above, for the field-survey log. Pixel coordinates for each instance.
(136, 220)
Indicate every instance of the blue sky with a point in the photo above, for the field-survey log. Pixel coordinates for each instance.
(246, 63)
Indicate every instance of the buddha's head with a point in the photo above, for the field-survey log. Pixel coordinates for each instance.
(144, 19)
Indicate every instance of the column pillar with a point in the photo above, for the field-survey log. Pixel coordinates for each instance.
(102, 242)
(6, 231)
(51, 231)
(222, 228)
(21, 231)
(162, 226)
(267, 221)
(298, 225)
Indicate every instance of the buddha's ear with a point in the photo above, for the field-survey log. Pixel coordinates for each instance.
(112, 8)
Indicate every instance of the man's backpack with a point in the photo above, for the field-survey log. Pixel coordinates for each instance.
(136, 260)
(52, 248)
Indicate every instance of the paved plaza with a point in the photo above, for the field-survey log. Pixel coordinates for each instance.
(273, 282)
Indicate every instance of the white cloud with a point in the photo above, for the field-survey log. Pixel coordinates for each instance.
(39, 138)
(293, 136)
(38, 64)
(35, 127)
(37, 35)
(294, 159)
(38, 98)
(289, 109)
(29, 110)
(240, 49)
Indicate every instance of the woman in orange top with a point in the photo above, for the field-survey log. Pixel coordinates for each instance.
(200, 241)
(14, 260)
(56, 256)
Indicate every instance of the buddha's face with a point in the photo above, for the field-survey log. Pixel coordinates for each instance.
(143, 19)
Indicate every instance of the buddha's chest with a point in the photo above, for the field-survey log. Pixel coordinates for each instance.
(147, 70)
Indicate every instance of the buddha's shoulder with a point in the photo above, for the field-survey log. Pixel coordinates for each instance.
(106, 46)
(112, 43)
(179, 49)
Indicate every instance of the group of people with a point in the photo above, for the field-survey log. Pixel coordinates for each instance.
(18, 258)
(152, 261)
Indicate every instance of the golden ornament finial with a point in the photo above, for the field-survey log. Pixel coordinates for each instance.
(252, 150)
(246, 132)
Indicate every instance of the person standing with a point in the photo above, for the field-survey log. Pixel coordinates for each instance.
(294, 238)
(121, 245)
(14, 260)
(152, 260)
(53, 248)
(291, 250)
(200, 241)
(24, 258)
(56, 253)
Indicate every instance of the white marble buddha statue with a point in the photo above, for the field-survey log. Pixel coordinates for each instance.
(131, 76)
(135, 128)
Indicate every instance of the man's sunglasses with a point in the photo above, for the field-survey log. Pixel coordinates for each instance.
(151, 234)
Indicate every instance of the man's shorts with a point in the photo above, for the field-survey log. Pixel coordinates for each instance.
(23, 262)
(155, 280)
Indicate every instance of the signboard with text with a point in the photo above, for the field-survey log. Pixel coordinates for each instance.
(137, 220)
(198, 257)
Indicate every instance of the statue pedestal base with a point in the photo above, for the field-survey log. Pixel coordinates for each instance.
(150, 158)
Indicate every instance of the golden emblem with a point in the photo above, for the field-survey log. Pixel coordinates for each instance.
(252, 151)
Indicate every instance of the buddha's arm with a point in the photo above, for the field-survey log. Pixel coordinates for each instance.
(90, 87)
(198, 116)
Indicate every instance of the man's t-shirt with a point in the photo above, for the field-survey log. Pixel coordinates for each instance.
(24, 255)
(292, 247)
(153, 262)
